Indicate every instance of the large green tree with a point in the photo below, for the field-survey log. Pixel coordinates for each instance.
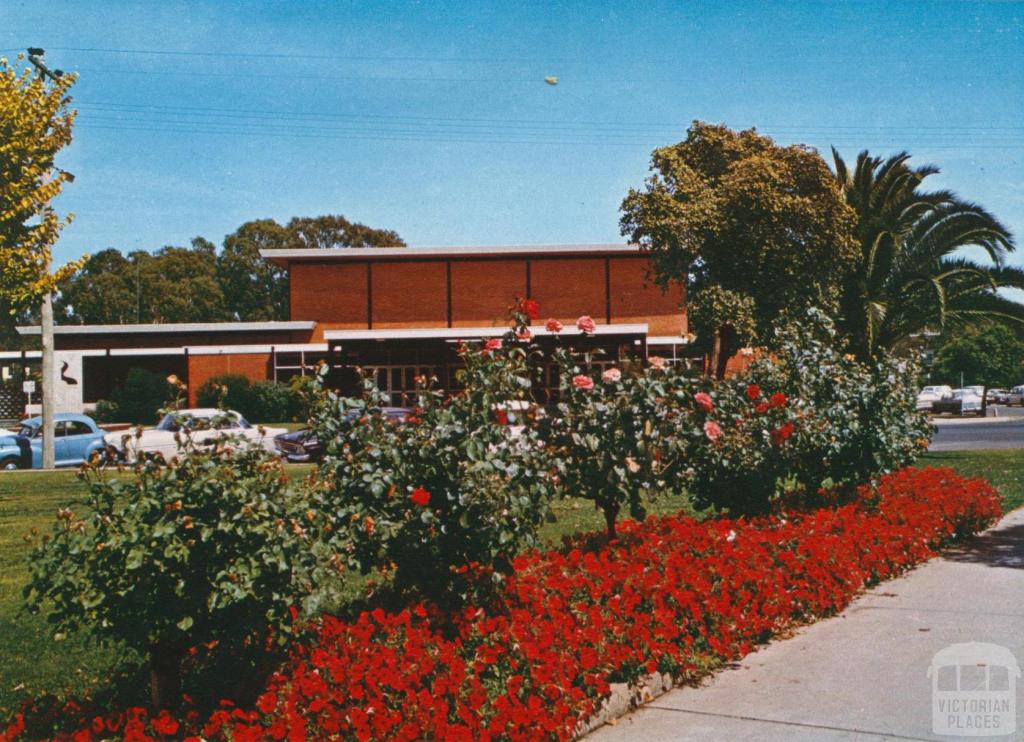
(758, 231)
(989, 354)
(911, 274)
(103, 291)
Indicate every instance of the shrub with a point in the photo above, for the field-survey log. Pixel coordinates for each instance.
(613, 438)
(857, 420)
(209, 550)
(673, 595)
(139, 400)
(448, 497)
(228, 392)
(273, 402)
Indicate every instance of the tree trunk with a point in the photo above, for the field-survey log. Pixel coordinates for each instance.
(723, 342)
(165, 675)
(611, 512)
(716, 351)
(984, 401)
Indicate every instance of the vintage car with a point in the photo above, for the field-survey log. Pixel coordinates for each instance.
(931, 394)
(960, 402)
(76, 439)
(204, 425)
(299, 446)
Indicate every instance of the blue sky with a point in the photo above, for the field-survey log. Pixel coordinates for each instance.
(433, 118)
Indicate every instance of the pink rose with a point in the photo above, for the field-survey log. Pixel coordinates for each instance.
(553, 325)
(712, 431)
(703, 401)
(524, 335)
(492, 344)
(611, 376)
(656, 362)
(582, 382)
(586, 325)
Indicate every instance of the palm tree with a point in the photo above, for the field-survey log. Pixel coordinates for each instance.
(911, 276)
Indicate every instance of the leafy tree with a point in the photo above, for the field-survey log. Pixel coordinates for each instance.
(764, 225)
(323, 232)
(102, 291)
(910, 274)
(989, 354)
(35, 125)
(179, 284)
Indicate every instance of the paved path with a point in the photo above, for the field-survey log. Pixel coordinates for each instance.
(1003, 428)
(860, 675)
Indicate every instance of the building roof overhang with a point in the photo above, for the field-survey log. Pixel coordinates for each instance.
(180, 328)
(341, 254)
(474, 333)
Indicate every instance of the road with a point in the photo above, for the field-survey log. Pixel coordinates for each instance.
(968, 434)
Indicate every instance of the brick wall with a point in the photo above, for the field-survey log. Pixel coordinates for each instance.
(201, 368)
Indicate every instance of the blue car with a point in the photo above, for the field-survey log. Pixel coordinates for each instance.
(77, 439)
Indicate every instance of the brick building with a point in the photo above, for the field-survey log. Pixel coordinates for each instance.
(396, 312)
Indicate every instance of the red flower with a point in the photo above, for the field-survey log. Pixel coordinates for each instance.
(420, 497)
(530, 308)
(762, 407)
(524, 335)
(586, 325)
(165, 724)
(779, 435)
(712, 431)
(582, 382)
(492, 344)
(778, 400)
(501, 416)
(553, 325)
(703, 401)
(753, 391)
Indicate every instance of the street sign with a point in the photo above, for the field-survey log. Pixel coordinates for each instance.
(29, 387)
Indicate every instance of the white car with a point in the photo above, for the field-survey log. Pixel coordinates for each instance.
(931, 394)
(1015, 396)
(961, 402)
(203, 423)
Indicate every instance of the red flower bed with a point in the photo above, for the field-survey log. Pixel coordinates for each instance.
(669, 594)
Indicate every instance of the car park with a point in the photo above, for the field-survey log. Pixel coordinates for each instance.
(960, 402)
(204, 424)
(1015, 396)
(997, 396)
(76, 439)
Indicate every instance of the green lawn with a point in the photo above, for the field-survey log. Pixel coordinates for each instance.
(32, 662)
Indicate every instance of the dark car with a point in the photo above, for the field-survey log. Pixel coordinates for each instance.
(299, 446)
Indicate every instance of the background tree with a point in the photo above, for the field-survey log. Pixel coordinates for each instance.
(102, 291)
(911, 274)
(989, 354)
(765, 224)
(322, 232)
(180, 284)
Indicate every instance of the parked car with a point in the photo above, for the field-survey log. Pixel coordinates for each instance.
(76, 439)
(1015, 396)
(930, 394)
(997, 396)
(161, 439)
(960, 402)
(300, 446)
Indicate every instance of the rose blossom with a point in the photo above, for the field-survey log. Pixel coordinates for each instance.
(703, 401)
(524, 335)
(778, 400)
(586, 325)
(553, 325)
(420, 497)
(492, 344)
(611, 376)
(583, 382)
(530, 308)
(656, 362)
(753, 391)
(712, 431)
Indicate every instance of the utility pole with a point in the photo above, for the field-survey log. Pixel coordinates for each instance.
(35, 56)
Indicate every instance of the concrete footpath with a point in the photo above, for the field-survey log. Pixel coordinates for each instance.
(862, 675)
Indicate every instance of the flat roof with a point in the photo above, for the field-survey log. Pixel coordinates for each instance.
(283, 257)
(181, 327)
(473, 333)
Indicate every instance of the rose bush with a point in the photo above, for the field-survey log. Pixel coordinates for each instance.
(447, 499)
(202, 559)
(672, 595)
